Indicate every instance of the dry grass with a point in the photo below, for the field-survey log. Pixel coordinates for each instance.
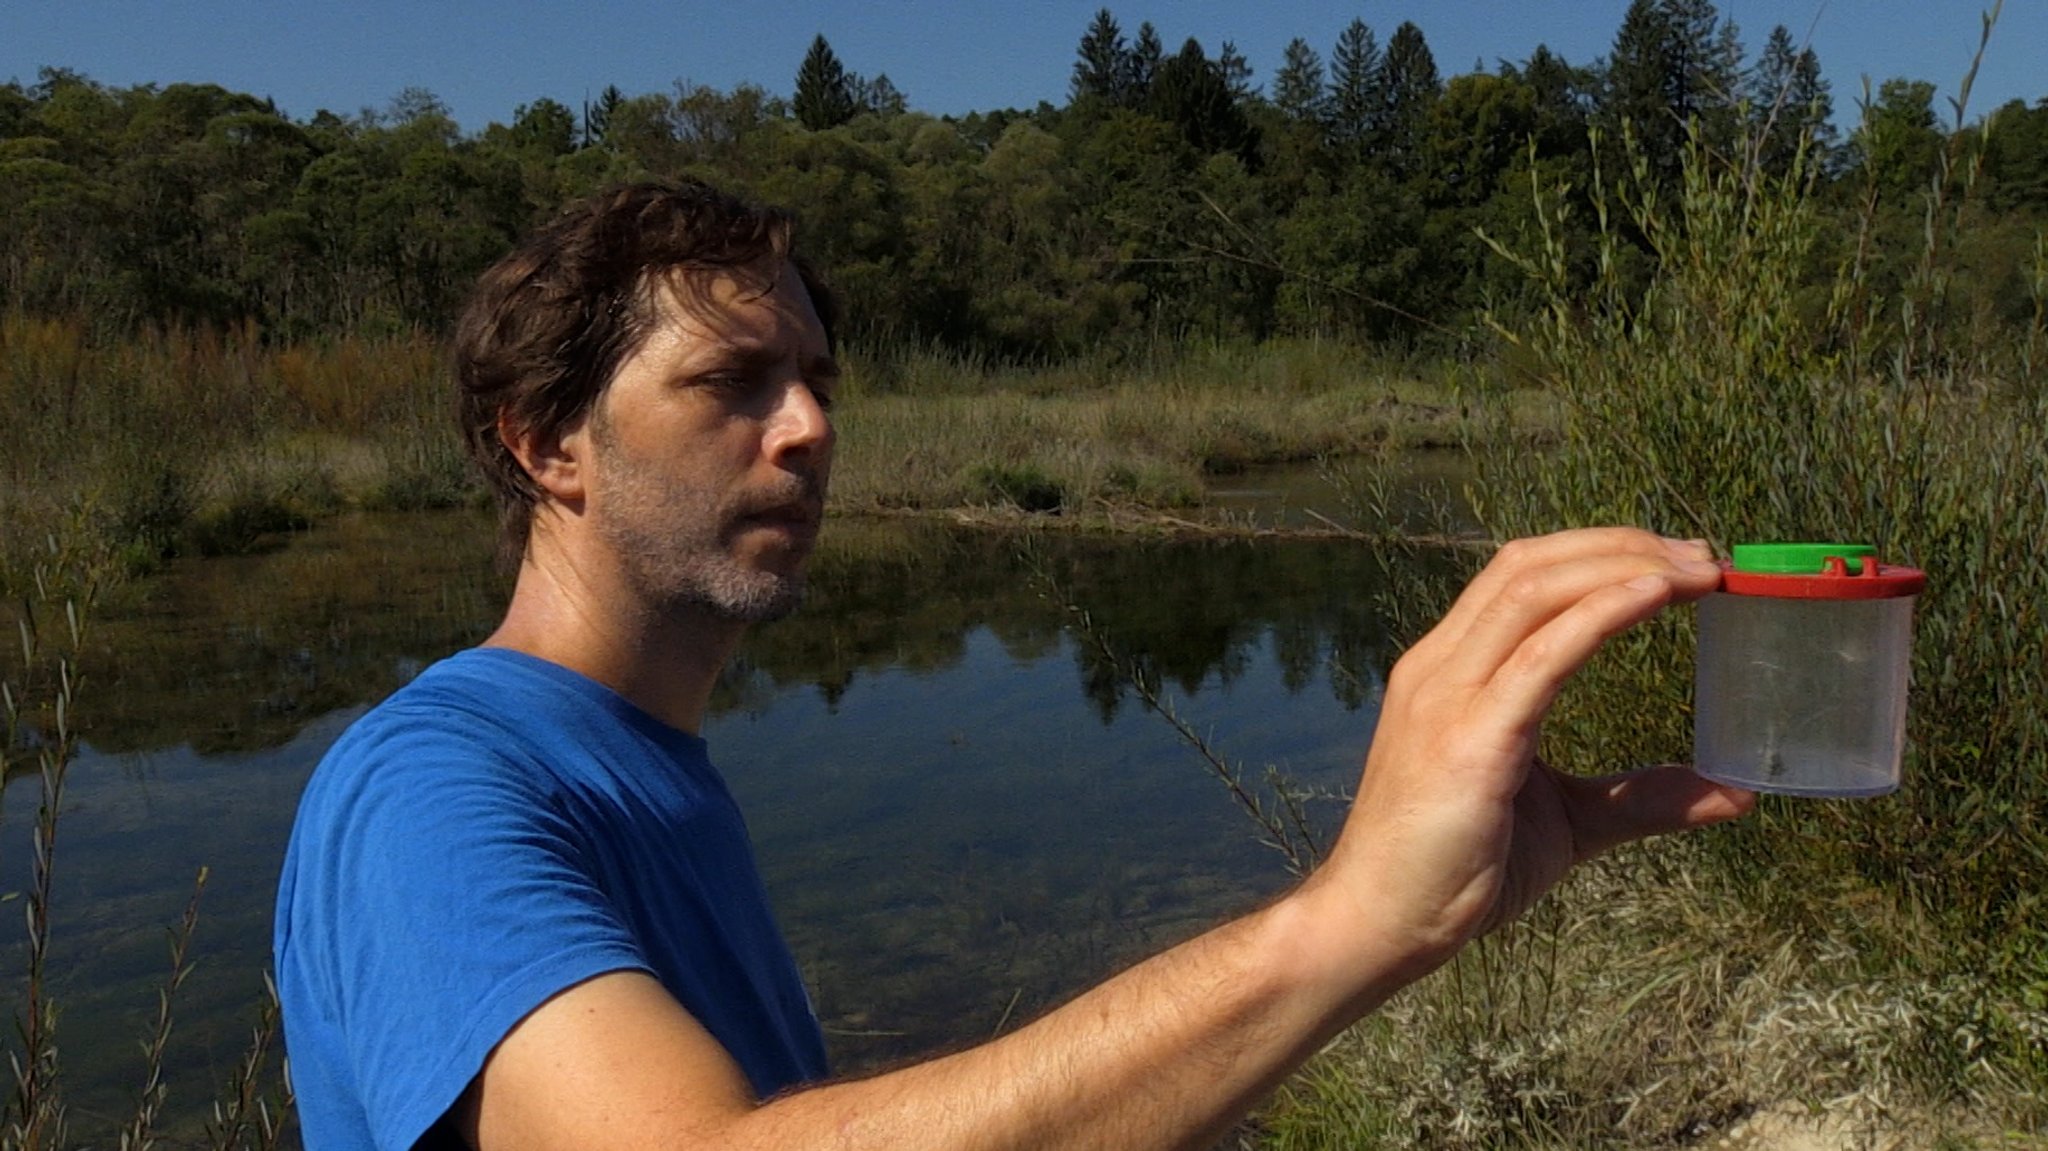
(1634, 1014)
(207, 441)
(202, 441)
(932, 431)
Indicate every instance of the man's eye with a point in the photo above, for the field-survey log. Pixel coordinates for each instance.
(730, 385)
(823, 396)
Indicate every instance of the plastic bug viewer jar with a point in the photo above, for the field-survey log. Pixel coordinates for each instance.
(1801, 685)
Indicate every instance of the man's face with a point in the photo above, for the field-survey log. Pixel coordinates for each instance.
(711, 448)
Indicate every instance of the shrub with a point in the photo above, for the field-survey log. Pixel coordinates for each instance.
(1736, 393)
(1717, 401)
(1019, 485)
(1713, 404)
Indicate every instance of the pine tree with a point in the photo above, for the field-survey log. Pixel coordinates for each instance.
(1564, 99)
(1237, 72)
(597, 117)
(1773, 73)
(1140, 64)
(1708, 55)
(1638, 73)
(1099, 71)
(1675, 69)
(1725, 76)
(824, 95)
(1790, 102)
(1298, 88)
(1412, 85)
(1811, 94)
(1357, 89)
(1189, 92)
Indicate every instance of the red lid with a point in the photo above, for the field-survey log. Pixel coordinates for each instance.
(1834, 581)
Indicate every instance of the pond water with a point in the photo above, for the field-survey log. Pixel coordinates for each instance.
(963, 810)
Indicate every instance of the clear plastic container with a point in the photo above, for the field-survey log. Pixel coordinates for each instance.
(1803, 662)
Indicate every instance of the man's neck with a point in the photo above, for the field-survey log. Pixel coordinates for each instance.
(665, 662)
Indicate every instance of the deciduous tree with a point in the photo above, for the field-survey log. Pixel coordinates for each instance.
(1898, 147)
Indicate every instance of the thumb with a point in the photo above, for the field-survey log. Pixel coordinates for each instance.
(1611, 810)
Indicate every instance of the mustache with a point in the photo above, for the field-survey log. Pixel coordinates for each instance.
(798, 489)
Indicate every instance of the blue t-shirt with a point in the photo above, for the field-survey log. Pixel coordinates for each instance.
(496, 832)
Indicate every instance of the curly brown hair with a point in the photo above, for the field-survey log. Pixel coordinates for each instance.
(548, 325)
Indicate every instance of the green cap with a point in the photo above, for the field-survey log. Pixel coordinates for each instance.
(1797, 559)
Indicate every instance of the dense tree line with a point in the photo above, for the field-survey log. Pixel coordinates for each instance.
(1172, 193)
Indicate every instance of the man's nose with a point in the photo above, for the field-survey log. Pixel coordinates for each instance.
(799, 422)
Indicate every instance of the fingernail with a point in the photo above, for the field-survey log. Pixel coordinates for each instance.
(1690, 549)
(1700, 568)
(1646, 583)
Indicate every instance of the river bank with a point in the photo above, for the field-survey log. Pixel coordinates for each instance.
(208, 443)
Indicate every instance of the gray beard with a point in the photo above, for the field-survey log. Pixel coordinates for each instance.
(669, 541)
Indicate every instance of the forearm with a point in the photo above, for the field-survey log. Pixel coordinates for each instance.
(1168, 1054)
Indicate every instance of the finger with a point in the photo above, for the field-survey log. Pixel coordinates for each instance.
(1538, 596)
(1515, 699)
(1616, 809)
(1519, 557)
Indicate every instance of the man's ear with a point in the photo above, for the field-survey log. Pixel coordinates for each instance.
(556, 461)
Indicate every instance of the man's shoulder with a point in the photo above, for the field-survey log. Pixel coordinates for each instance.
(473, 695)
(455, 755)
(504, 719)
(476, 711)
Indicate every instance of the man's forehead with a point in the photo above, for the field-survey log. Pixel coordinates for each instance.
(728, 304)
(755, 278)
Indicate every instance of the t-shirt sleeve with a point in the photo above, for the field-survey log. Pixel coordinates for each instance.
(457, 900)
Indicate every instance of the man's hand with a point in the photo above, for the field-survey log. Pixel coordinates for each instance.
(1457, 828)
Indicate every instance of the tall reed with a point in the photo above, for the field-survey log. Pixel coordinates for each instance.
(38, 724)
(40, 701)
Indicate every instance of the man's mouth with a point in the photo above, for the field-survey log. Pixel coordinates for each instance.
(801, 517)
(795, 515)
(794, 506)
(800, 500)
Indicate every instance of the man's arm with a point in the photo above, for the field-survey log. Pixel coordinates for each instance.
(1455, 830)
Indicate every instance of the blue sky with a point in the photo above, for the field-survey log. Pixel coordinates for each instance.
(484, 59)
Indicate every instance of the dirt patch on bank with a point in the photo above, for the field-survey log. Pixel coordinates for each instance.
(1792, 1127)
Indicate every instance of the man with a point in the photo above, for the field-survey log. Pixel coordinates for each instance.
(519, 910)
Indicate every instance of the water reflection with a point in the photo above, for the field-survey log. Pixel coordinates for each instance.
(963, 813)
(1186, 612)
